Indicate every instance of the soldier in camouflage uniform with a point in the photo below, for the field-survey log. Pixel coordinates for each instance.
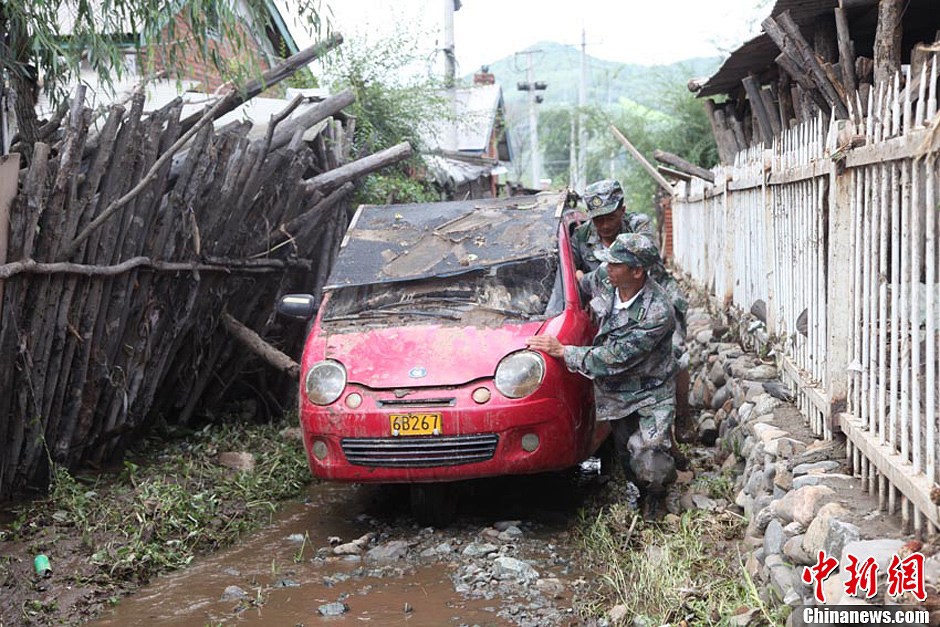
(631, 362)
(608, 218)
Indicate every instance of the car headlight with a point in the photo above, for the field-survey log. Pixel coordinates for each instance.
(520, 373)
(325, 382)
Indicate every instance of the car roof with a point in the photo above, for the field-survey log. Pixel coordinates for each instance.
(388, 243)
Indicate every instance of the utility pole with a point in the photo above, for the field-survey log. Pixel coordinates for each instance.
(580, 181)
(450, 70)
(450, 60)
(533, 87)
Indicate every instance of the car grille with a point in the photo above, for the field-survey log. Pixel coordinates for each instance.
(416, 402)
(420, 452)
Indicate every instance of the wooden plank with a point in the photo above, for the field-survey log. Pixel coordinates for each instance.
(803, 172)
(899, 472)
(894, 149)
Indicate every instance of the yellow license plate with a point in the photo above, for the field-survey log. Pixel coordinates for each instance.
(415, 424)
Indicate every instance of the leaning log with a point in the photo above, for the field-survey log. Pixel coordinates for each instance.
(760, 111)
(786, 35)
(270, 78)
(846, 50)
(351, 171)
(261, 348)
(682, 165)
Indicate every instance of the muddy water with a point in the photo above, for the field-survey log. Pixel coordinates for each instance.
(286, 581)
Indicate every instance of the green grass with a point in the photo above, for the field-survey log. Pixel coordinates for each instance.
(687, 568)
(156, 515)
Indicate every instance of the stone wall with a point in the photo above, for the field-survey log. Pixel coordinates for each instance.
(796, 491)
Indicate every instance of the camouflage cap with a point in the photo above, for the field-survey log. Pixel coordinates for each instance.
(636, 250)
(602, 197)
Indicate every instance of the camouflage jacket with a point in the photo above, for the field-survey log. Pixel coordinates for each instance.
(631, 359)
(585, 240)
(659, 274)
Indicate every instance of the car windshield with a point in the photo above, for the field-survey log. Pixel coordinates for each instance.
(525, 290)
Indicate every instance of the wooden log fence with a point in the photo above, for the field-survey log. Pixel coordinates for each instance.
(121, 276)
(835, 230)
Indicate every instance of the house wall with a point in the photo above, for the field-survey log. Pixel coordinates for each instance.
(199, 67)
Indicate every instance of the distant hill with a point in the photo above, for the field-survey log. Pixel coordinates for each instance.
(608, 82)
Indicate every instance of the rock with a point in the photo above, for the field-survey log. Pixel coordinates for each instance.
(511, 533)
(704, 337)
(286, 583)
(767, 432)
(838, 482)
(840, 533)
(511, 568)
(793, 550)
(296, 537)
(291, 433)
(782, 478)
(763, 518)
(389, 552)
(333, 609)
(765, 404)
(815, 538)
(355, 547)
(778, 390)
(785, 448)
(721, 395)
(814, 468)
(717, 375)
(782, 579)
(769, 473)
(551, 587)
(802, 505)
(700, 501)
(932, 570)
(881, 550)
(233, 593)
(774, 538)
(745, 411)
(504, 525)
(707, 431)
(478, 549)
(617, 614)
(747, 617)
(240, 461)
(763, 372)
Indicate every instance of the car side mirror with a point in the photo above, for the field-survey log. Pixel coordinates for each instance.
(301, 306)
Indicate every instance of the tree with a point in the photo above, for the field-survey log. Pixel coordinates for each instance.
(395, 102)
(45, 42)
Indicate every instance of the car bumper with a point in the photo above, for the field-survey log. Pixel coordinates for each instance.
(476, 441)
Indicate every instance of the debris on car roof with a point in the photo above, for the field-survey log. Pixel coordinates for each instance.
(407, 242)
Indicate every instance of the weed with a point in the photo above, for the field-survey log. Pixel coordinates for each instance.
(156, 516)
(669, 572)
(299, 555)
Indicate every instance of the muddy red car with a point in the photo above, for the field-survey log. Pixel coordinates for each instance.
(416, 368)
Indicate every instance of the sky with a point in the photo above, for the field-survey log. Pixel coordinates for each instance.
(649, 33)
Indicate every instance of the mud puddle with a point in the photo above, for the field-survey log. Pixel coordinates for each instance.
(508, 559)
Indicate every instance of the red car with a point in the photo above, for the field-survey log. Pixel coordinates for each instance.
(416, 368)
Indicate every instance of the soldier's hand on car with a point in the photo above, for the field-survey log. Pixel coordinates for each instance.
(548, 344)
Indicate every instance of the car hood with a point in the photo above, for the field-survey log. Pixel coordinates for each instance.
(424, 356)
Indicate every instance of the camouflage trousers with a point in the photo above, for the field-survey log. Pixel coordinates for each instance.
(643, 444)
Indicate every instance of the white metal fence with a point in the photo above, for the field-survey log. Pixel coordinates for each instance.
(835, 229)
